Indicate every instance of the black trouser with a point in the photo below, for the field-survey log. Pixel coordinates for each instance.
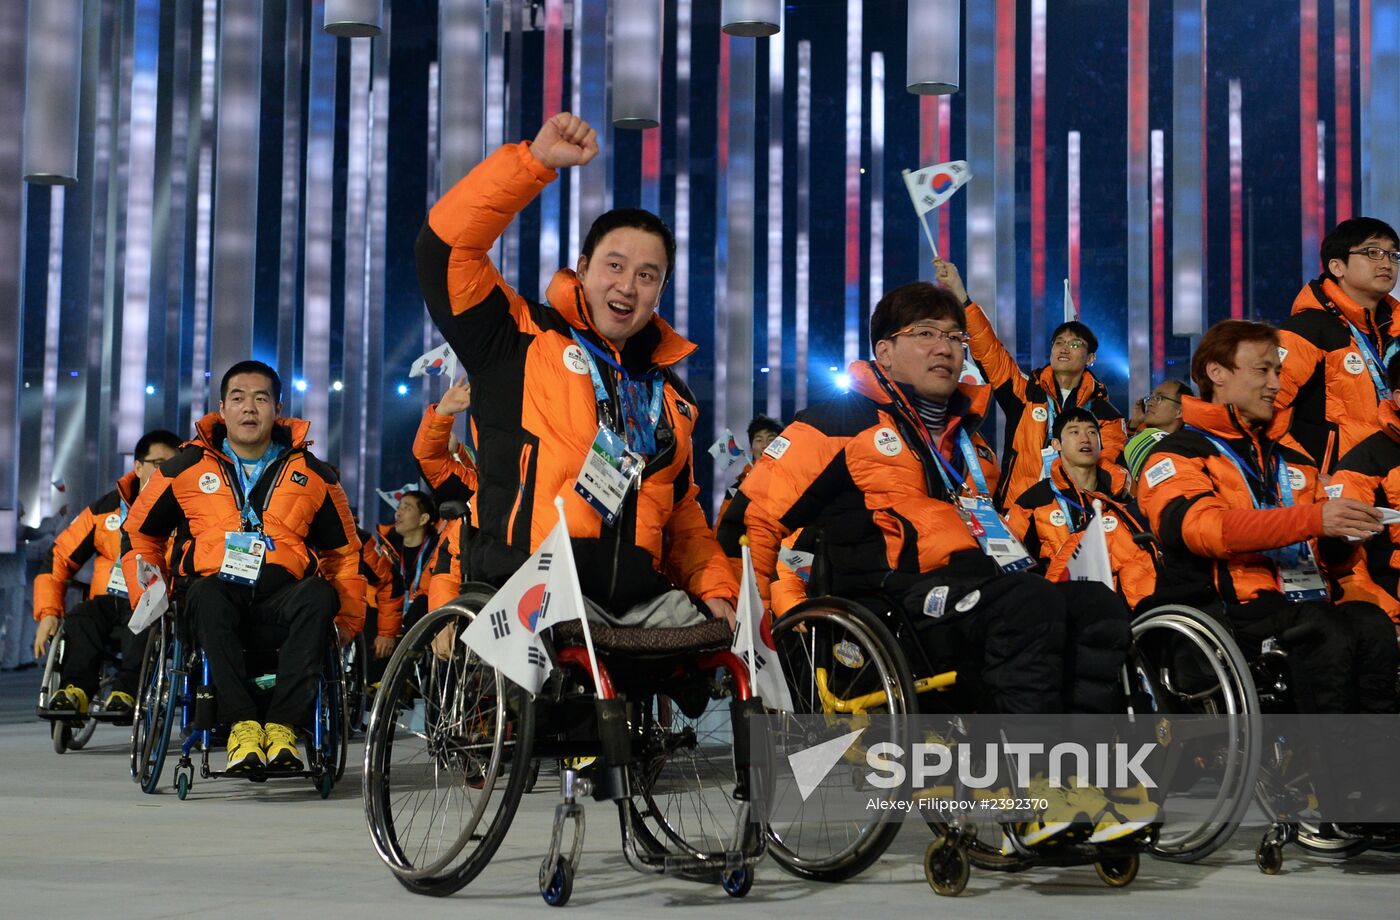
(1034, 646)
(1347, 662)
(227, 616)
(86, 631)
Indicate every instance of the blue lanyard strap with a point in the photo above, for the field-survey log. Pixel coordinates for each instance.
(247, 481)
(1368, 354)
(640, 431)
(1065, 502)
(950, 475)
(1284, 555)
(411, 589)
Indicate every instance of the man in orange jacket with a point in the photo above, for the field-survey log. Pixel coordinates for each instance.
(1051, 515)
(96, 534)
(250, 507)
(1335, 343)
(411, 543)
(448, 470)
(1032, 401)
(1246, 528)
(578, 398)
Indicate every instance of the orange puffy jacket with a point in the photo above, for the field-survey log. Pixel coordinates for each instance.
(1325, 376)
(1370, 472)
(96, 531)
(1052, 535)
(1029, 403)
(446, 578)
(857, 471)
(391, 544)
(536, 414)
(196, 497)
(451, 477)
(1201, 507)
(384, 587)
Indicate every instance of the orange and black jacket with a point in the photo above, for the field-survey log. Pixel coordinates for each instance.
(1028, 402)
(857, 471)
(196, 497)
(1370, 472)
(536, 414)
(1325, 377)
(384, 590)
(1202, 508)
(1051, 528)
(448, 574)
(451, 478)
(96, 531)
(414, 581)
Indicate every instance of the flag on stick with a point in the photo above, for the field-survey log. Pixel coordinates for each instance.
(439, 362)
(395, 495)
(1090, 561)
(753, 642)
(931, 186)
(726, 451)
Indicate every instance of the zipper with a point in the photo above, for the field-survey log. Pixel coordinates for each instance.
(525, 452)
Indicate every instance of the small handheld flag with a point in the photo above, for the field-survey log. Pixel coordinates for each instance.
(931, 186)
(726, 451)
(393, 496)
(439, 362)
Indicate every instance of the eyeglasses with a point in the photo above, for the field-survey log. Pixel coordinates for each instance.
(154, 463)
(1376, 254)
(1071, 344)
(926, 335)
(1154, 399)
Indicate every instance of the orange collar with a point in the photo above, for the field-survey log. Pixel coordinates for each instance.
(565, 294)
(1317, 295)
(210, 433)
(1223, 421)
(1087, 388)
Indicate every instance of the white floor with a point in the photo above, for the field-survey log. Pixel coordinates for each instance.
(78, 839)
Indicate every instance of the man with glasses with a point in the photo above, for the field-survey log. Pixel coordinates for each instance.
(1031, 401)
(97, 532)
(1335, 344)
(1161, 409)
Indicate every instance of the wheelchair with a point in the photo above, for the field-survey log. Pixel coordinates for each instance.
(355, 658)
(71, 731)
(842, 657)
(175, 689)
(452, 745)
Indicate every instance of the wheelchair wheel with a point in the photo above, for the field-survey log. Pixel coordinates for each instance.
(355, 661)
(62, 734)
(838, 659)
(334, 717)
(447, 755)
(155, 707)
(1184, 662)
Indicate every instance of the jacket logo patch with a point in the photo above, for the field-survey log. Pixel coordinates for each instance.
(1160, 472)
(1282, 353)
(209, 483)
(113, 521)
(1110, 523)
(1057, 517)
(574, 360)
(777, 447)
(683, 407)
(986, 453)
(1039, 414)
(1334, 491)
(299, 478)
(887, 442)
(1297, 479)
(1353, 363)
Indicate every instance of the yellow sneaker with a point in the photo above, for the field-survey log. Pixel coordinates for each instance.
(1058, 815)
(69, 699)
(245, 750)
(119, 703)
(1134, 812)
(282, 753)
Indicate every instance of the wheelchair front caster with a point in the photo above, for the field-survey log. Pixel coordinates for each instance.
(325, 783)
(1117, 871)
(557, 883)
(1269, 858)
(946, 867)
(739, 882)
(182, 785)
(62, 736)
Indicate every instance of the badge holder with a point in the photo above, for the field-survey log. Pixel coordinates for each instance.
(243, 557)
(609, 472)
(116, 582)
(992, 534)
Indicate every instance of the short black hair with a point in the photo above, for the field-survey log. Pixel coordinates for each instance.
(910, 303)
(151, 438)
(1182, 387)
(252, 367)
(1079, 330)
(425, 502)
(1074, 414)
(1392, 372)
(764, 423)
(636, 218)
(1349, 234)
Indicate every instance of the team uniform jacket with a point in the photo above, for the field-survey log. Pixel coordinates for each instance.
(1325, 378)
(857, 471)
(1370, 472)
(96, 531)
(1028, 402)
(196, 496)
(391, 545)
(536, 413)
(384, 586)
(446, 578)
(450, 477)
(1051, 535)
(1200, 506)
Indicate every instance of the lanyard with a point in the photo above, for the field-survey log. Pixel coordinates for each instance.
(247, 481)
(639, 439)
(1368, 353)
(954, 482)
(1284, 555)
(1065, 501)
(411, 588)
(122, 507)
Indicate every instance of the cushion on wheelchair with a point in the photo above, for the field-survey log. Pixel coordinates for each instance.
(708, 636)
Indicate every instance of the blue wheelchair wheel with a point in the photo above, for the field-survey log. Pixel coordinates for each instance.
(739, 882)
(557, 889)
(155, 708)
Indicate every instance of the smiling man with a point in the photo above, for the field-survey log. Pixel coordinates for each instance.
(576, 398)
(1335, 343)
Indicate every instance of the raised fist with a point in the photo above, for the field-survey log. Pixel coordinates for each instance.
(565, 140)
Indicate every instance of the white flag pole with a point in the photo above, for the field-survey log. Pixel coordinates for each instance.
(578, 598)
